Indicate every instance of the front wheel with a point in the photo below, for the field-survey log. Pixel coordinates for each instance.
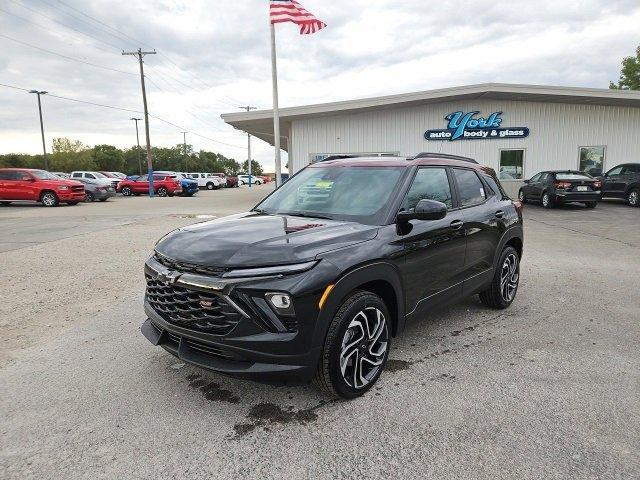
(506, 278)
(49, 199)
(162, 192)
(356, 347)
(633, 198)
(591, 204)
(126, 191)
(88, 197)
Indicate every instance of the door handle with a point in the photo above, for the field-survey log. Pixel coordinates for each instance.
(499, 214)
(456, 224)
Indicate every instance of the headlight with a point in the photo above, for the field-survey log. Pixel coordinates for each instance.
(63, 187)
(267, 271)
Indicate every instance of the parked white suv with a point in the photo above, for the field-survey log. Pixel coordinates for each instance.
(206, 180)
(97, 177)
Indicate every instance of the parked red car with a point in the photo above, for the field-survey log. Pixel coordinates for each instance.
(266, 178)
(38, 186)
(232, 181)
(163, 185)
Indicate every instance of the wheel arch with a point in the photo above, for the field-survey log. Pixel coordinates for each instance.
(512, 238)
(380, 278)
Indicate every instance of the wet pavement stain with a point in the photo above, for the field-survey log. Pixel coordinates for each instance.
(268, 414)
(211, 390)
(394, 365)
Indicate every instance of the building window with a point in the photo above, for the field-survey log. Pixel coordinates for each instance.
(591, 160)
(511, 164)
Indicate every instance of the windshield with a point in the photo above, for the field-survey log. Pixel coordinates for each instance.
(359, 194)
(44, 175)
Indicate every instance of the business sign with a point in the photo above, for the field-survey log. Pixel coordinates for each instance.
(466, 126)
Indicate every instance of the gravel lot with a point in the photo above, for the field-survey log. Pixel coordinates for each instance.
(549, 388)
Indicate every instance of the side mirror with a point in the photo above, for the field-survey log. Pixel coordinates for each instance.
(425, 210)
(527, 182)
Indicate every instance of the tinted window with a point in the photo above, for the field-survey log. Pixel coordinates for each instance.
(535, 178)
(76, 175)
(544, 177)
(431, 184)
(615, 171)
(470, 187)
(22, 176)
(493, 185)
(7, 175)
(143, 178)
(89, 175)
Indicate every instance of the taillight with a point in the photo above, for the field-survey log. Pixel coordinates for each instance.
(519, 206)
(562, 185)
(597, 184)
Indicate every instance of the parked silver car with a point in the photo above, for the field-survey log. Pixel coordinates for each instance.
(96, 190)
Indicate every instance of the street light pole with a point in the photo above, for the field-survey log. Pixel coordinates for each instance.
(44, 146)
(138, 140)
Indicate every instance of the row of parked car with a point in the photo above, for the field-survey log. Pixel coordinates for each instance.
(52, 188)
(557, 187)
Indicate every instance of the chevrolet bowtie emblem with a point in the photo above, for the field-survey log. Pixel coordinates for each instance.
(168, 277)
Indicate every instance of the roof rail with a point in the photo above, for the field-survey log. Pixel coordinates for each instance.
(442, 155)
(338, 157)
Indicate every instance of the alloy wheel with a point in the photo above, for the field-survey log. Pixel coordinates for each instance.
(545, 200)
(521, 196)
(126, 191)
(162, 192)
(509, 277)
(633, 198)
(49, 199)
(364, 347)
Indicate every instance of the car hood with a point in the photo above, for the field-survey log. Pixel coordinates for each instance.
(253, 239)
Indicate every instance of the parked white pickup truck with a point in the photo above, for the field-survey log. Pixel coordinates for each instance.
(206, 180)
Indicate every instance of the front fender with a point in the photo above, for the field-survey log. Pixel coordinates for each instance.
(352, 280)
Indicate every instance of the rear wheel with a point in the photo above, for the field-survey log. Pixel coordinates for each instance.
(162, 192)
(126, 191)
(210, 186)
(633, 198)
(356, 347)
(591, 204)
(547, 201)
(49, 199)
(5, 203)
(504, 285)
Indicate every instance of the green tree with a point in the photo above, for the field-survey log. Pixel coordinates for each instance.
(69, 155)
(630, 74)
(256, 168)
(108, 158)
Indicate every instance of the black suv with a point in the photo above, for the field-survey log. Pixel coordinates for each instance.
(562, 186)
(623, 181)
(316, 280)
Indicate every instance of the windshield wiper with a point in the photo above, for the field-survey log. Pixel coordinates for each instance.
(306, 215)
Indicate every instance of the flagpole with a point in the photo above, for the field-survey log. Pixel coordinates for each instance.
(276, 113)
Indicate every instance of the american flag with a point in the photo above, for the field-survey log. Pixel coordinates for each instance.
(291, 11)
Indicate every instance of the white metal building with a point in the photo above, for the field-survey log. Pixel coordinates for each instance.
(518, 130)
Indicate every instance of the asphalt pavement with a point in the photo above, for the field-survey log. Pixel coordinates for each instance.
(549, 388)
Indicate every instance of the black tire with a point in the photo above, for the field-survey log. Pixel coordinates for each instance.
(102, 199)
(494, 296)
(88, 197)
(522, 197)
(547, 200)
(5, 203)
(162, 192)
(126, 191)
(633, 197)
(49, 199)
(329, 375)
(210, 186)
(72, 203)
(591, 204)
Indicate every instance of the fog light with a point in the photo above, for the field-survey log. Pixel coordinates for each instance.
(281, 302)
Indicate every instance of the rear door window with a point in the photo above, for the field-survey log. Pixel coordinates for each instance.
(470, 188)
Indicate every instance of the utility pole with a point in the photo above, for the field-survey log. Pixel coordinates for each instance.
(248, 109)
(184, 137)
(44, 147)
(140, 54)
(138, 140)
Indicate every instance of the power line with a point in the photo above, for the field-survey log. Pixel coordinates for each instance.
(64, 56)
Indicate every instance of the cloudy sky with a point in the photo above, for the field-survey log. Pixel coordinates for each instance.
(213, 56)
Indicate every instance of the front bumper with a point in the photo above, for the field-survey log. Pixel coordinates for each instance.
(67, 196)
(249, 348)
(567, 197)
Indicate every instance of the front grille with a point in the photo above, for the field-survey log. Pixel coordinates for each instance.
(191, 309)
(77, 188)
(186, 267)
